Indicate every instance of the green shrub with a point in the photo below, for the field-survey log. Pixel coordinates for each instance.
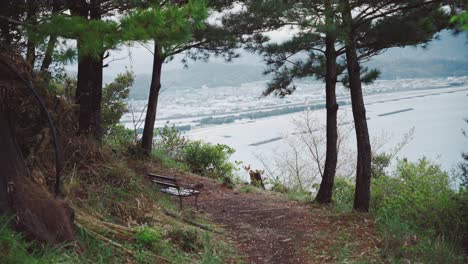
(15, 249)
(148, 236)
(300, 196)
(171, 141)
(114, 95)
(417, 201)
(168, 162)
(277, 185)
(400, 242)
(209, 160)
(152, 239)
(343, 194)
(187, 239)
(119, 137)
(379, 163)
(419, 194)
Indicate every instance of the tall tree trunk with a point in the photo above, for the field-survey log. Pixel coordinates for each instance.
(325, 192)
(6, 37)
(89, 84)
(11, 161)
(148, 131)
(31, 45)
(89, 95)
(363, 171)
(47, 61)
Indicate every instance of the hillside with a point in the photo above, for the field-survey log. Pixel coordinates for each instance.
(198, 75)
(221, 75)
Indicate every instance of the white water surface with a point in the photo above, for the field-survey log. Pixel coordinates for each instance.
(437, 116)
(435, 107)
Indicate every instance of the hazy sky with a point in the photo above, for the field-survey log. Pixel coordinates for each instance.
(139, 59)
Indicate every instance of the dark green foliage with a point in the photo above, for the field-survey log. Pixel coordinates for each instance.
(420, 217)
(209, 160)
(171, 141)
(397, 195)
(300, 196)
(96, 36)
(402, 244)
(343, 194)
(14, 248)
(367, 77)
(174, 150)
(113, 103)
(419, 199)
(188, 240)
(278, 186)
(461, 20)
(161, 156)
(463, 166)
(148, 237)
(170, 26)
(379, 163)
(119, 137)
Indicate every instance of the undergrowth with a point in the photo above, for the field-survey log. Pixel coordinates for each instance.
(420, 217)
(119, 218)
(175, 151)
(249, 189)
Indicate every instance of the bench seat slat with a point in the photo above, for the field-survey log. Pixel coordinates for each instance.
(177, 192)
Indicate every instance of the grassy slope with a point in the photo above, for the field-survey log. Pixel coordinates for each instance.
(119, 218)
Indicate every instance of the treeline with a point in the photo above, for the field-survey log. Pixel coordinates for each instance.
(329, 40)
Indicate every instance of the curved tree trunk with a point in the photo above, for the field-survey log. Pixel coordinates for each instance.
(148, 131)
(363, 171)
(325, 192)
(12, 164)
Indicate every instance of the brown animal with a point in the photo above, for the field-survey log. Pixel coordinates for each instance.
(255, 177)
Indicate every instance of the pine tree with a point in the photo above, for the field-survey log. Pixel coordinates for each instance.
(188, 33)
(318, 50)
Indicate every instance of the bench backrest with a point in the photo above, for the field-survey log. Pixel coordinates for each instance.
(163, 179)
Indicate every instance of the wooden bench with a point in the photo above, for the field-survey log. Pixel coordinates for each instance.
(169, 185)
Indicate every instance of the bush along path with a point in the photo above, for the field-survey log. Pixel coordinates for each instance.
(268, 228)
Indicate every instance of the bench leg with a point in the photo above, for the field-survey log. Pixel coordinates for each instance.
(180, 203)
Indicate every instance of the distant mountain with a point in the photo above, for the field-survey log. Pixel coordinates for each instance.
(199, 75)
(221, 75)
(446, 56)
(442, 58)
(425, 68)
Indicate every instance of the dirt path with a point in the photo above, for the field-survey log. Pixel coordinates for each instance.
(267, 228)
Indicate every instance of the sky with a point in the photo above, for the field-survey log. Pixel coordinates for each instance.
(139, 59)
